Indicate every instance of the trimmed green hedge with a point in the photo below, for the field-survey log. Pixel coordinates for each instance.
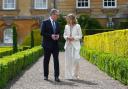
(5, 51)
(10, 66)
(115, 66)
(115, 42)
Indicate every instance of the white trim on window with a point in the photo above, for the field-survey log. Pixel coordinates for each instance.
(39, 4)
(108, 1)
(86, 1)
(8, 5)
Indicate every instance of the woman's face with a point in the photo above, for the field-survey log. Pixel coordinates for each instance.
(69, 21)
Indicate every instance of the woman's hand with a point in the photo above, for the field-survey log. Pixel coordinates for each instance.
(70, 39)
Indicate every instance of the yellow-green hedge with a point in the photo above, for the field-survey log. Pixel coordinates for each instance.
(12, 65)
(115, 42)
(114, 66)
(4, 51)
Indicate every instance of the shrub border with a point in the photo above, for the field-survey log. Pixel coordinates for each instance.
(114, 66)
(10, 66)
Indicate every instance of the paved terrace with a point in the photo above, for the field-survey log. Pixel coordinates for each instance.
(90, 78)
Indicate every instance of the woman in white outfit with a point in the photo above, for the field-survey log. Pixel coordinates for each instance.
(72, 35)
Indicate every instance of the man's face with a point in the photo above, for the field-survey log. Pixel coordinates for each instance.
(55, 16)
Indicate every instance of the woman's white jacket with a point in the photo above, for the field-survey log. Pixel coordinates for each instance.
(76, 34)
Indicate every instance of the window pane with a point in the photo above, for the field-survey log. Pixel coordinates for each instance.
(113, 4)
(105, 3)
(8, 36)
(40, 4)
(79, 4)
(5, 5)
(43, 4)
(10, 1)
(109, 4)
(86, 4)
(9, 4)
(83, 3)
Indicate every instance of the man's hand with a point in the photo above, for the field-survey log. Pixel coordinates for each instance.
(55, 37)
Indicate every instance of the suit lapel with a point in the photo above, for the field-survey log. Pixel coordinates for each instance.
(51, 27)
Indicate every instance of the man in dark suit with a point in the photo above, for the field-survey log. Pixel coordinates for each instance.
(50, 31)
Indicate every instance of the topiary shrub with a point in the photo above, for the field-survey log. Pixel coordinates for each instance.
(37, 39)
(32, 39)
(15, 48)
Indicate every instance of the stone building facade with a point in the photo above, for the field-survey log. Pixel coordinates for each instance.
(27, 14)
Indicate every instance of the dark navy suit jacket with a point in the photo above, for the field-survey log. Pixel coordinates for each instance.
(46, 32)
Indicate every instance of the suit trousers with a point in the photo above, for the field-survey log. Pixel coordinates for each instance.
(47, 54)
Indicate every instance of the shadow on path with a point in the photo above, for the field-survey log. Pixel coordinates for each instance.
(72, 82)
(62, 83)
(83, 82)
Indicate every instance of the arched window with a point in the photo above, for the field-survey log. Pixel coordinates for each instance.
(8, 35)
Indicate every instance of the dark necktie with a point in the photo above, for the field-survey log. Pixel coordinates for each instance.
(54, 26)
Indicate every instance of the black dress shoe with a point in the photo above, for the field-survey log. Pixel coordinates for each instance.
(45, 78)
(57, 79)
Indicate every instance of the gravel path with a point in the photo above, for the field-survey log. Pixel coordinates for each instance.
(90, 78)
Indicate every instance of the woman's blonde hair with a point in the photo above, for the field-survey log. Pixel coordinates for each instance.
(71, 17)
